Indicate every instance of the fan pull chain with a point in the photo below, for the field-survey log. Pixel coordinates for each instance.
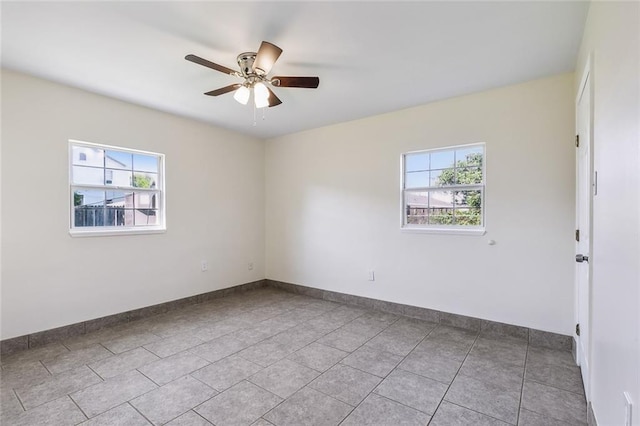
(254, 115)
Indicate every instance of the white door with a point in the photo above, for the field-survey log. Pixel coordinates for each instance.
(584, 195)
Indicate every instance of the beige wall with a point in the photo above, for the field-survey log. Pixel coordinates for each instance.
(612, 40)
(333, 208)
(215, 193)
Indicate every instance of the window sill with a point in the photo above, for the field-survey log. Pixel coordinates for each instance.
(109, 232)
(445, 231)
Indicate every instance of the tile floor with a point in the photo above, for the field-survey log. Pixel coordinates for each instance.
(267, 357)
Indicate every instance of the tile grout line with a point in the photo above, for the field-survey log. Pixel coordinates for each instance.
(134, 407)
(19, 400)
(101, 344)
(76, 404)
(98, 374)
(258, 386)
(483, 414)
(199, 415)
(400, 403)
(456, 375)
(152, 381)
(524, 378)
(555, 387)
(45, 367)
(339, 400)
(218, 392)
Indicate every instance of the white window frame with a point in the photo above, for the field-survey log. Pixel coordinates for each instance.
(444, 229)
(117, 230)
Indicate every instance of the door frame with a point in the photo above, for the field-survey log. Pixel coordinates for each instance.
(585, 78)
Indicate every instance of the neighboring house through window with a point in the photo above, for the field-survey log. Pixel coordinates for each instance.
(443, 189)
(115, 190)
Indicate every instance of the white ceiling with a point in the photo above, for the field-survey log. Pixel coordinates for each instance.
(371, 57)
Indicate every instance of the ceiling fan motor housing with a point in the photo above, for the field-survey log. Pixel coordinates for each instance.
(245, 61)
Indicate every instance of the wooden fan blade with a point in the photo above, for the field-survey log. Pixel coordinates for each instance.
(273, 99)
(267, 55)
(223, 90)
(304, 82)
(209, 64)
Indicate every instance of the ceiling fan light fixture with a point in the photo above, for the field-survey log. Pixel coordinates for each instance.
(242, 95)
(261, 95)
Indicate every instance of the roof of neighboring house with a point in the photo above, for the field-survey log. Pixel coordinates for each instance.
(418, 200)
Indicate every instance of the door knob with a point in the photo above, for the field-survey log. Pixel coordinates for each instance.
(581, 258)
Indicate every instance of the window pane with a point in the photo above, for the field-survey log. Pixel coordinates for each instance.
(442, 159)
(118, 160)
(88, 216)
(416, 180)
(438, 217)
(145, 217)
(468, 175)
(441, 207)
(119, 208)
(87, 176)
(469, 198)
(88, 197)
(85, 156)
(418, 219)
(145, 180)
(88, 208)
(416, 205)
(468, 216)
(442, 177)
(470, 156)
(121, 199)
(128, 217)
(146, 200)
(441, 199)
(417, 199)
(117, 177)
(145, 163)
(416, 162)
(435, 178)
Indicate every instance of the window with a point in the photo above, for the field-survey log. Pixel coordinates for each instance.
(443, 189)
(115, 190)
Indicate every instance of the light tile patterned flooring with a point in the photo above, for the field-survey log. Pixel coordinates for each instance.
(267, 357)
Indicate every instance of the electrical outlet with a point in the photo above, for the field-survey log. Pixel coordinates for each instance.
(372, 275)
(628, 406)
(250, 266)
(204, 266)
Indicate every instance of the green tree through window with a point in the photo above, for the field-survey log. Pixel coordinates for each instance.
(141, 181)
(468, 203)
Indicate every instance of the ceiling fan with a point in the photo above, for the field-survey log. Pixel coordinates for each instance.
(254, 68)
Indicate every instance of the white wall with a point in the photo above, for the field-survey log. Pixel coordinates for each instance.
(612, 37)
(333, 208)
(215, 194)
